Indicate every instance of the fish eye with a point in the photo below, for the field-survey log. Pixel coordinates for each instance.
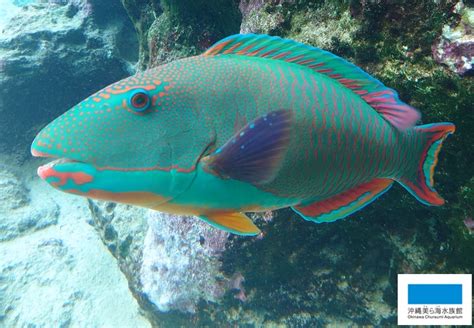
(139, 100)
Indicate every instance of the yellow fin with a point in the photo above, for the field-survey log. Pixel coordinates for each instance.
(233, 222)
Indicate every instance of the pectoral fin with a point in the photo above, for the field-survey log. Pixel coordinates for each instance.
(233, 222)
(255, 153)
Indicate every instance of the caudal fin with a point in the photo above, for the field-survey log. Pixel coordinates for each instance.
(421, 184)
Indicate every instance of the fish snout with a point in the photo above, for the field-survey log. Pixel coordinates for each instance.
(65, 137)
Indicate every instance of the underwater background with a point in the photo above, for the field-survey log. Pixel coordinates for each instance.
(67, 261)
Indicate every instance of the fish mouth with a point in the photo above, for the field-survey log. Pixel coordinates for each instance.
(62, 169)
(45, 171)
(122, 186)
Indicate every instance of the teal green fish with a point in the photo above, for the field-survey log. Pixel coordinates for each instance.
(255, 123)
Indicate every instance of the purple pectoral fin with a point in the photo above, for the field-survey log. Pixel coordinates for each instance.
(255, 153)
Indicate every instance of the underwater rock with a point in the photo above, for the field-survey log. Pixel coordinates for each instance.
(60, 274)
(14, 194)
(122, 229)
(171, 262)
(16, 202)
(455, 47)
(181, 263)
(51, 276)
(50, 50)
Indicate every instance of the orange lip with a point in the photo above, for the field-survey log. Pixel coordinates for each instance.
(36, 153)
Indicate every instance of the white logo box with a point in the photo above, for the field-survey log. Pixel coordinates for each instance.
(408, 314)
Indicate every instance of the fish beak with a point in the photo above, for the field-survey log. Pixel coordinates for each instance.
(67, 175)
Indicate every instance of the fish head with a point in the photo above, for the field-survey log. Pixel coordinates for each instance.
(134, 141)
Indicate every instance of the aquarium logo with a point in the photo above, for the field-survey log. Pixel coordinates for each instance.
(435, 299)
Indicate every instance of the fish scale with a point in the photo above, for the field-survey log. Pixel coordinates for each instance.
(251, 100)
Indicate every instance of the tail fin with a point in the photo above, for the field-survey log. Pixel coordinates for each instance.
(421, 185)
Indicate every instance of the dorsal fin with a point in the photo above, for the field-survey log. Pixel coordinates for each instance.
(384, 100)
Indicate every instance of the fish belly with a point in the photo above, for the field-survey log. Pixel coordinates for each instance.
(212, 193)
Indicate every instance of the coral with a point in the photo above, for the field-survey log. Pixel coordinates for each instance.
(455, 47)
(181, 262)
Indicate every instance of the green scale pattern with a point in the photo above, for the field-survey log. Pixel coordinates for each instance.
(338, 140)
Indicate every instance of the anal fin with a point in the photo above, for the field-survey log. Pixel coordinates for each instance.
(233, 222)
(345, 203)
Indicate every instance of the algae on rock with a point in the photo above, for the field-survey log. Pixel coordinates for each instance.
(181, 264)
(455, 47)
(311, 22)
(173, 29)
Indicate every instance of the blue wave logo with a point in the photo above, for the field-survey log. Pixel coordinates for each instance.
(434, 294)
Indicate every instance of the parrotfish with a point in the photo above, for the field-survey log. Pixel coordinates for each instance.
(255, 123)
